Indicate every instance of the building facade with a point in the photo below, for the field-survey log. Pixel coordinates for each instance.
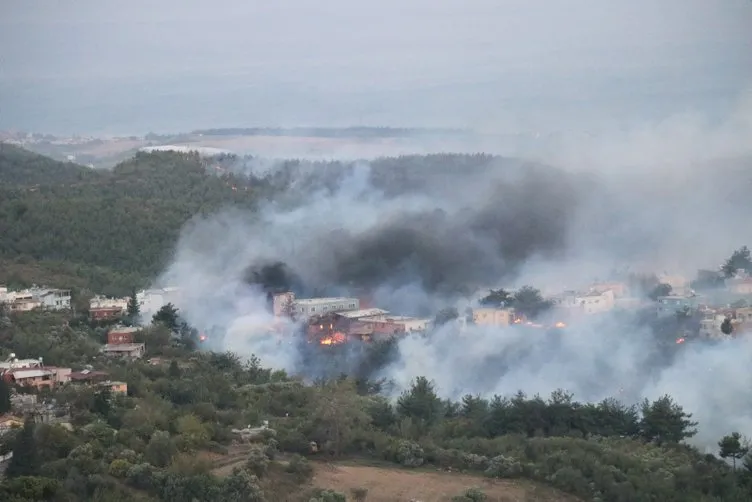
(308, 307)
(487, 316)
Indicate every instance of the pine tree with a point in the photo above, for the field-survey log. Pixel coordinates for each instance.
(25, 459)
(733, 446)
(4, 396)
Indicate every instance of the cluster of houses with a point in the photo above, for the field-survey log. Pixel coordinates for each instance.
(33, 374)
(334, 320)
(35, 298)
(731, 305)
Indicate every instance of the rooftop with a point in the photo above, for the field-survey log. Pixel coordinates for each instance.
(356, 314)
(122, 347)
(31, 373)
(124, 329)
(309, 301)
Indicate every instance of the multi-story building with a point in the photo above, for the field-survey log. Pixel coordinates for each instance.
(53, 299)
(121, 343)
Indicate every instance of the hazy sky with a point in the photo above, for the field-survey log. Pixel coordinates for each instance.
(134, 66)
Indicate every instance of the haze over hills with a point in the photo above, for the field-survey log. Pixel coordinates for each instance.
(320, 251)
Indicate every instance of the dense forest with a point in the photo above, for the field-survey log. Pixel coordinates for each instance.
(70, 226)
(60, 221)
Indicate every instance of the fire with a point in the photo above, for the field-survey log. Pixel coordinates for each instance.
(202, 338)
(335, 339)
(680, 340)
(560, 324)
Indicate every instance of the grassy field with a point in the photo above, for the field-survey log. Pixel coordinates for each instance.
(388, 483)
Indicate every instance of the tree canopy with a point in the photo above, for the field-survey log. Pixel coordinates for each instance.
(739, 260)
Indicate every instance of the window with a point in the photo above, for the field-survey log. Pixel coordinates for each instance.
(313, 309)
(326, 308)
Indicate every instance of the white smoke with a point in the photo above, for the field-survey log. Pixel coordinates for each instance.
(656, 220)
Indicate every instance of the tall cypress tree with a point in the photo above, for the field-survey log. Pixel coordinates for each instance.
(4, 396)
(133, 310)
(25, 460)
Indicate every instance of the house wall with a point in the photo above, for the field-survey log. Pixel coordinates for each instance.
(492, 317)
(597, 303)
(116, 337)
(56, 299)
(105, 313)
(318, 306)
(280, 301)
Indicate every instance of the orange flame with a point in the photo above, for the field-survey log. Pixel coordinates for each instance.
(561, 324)
(680, 340)
(202, 338)
(335, 339)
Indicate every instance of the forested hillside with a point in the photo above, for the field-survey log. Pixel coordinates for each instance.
(115, 227)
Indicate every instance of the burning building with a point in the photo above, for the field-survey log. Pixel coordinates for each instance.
(364, 324)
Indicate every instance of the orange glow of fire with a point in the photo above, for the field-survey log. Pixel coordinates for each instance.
(202, 338)
(335, 339)
(517, 321)
(561, 325)
(680, 340)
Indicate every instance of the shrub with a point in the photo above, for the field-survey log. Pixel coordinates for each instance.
(359, 494)
(471, 495)
(119, 468)
(258, 462)
(503, 467)
(409, 454)
(300, 467)
(329, 496)
(141, 476)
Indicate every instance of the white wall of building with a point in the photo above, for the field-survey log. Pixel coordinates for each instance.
(99, 302)
(595, 303)
(307, 307)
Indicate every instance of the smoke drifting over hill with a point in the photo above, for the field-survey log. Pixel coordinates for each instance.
(421, 233)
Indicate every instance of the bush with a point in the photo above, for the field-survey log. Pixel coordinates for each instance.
(300, 467)
(503, 467)
(258, 462)
(409, 454)
(329, 496)
(471, 495)
(119, 468)
(141, 476)
(359, 494)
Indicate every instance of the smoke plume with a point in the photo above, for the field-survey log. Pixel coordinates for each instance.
(419, 233)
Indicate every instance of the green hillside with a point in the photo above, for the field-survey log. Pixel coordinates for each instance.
(115, 227)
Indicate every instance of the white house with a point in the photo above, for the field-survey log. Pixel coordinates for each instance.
(151, 300)
(53, 299)
(102, 302)
(592, 302)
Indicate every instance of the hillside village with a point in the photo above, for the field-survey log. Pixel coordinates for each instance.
(721, 313)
